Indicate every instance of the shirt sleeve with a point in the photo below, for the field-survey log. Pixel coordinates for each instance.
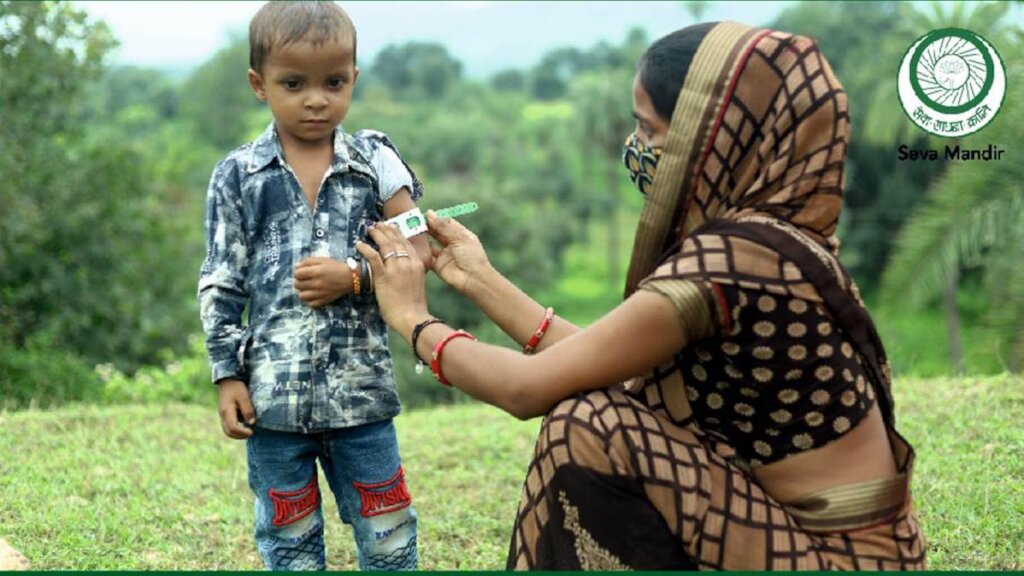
(693, 302)
(392, 174)
(223, 279)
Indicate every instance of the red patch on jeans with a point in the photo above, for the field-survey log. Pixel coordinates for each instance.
(383, 497)
(295, 505)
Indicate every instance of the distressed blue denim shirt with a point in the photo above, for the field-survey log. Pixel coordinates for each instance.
(307, 369)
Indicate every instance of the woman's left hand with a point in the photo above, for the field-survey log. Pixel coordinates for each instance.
(399, 279)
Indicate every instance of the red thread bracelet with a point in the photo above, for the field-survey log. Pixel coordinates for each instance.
(549, 314)
(435, 357)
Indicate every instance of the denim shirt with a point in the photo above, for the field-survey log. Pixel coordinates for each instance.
(307, 369)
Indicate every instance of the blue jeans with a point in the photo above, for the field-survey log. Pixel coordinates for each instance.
(364, 471)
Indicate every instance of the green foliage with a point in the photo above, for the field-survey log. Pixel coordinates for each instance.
(182, 379)
(129, 90)
(217, 98)
(160, 487)
(551, 77)
(416, 71)
(89, 260)
(98, 257)
(51, 36)
(41, 375)
(974, 218)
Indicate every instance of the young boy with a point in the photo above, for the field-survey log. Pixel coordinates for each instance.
(310, 377)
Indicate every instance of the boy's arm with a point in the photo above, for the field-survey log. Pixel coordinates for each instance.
(399, 190)
(223, 279)
(320, 281)
(402, 202)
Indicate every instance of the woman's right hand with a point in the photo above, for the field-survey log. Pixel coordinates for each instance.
(461, 257)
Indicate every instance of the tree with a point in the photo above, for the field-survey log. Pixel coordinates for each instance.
(416, 70)
(603, 105)
(888, 126)
(92, 261)
(509, 81)
(973, 219)
(217, 99)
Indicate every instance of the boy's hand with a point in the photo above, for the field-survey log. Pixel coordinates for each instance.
(321, 281)
(235, 407)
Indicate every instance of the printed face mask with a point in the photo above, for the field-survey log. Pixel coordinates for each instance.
(641, 160)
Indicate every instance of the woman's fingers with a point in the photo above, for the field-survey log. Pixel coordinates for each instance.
(444, 230)
(372, 257)
(392, 243)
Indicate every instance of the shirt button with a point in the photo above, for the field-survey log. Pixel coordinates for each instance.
(320, 233)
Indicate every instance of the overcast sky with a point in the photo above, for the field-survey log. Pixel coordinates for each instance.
(485, 36)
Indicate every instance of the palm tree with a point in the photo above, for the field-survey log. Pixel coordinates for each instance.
(973, 218)
(602, 103)
(888, 126)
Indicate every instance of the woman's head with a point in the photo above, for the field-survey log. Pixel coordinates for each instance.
(659, 78)
(661, 72)
(735, 122)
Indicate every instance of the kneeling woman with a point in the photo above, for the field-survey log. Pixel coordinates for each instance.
(754, 429)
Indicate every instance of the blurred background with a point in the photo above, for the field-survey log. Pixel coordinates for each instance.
(112, 116)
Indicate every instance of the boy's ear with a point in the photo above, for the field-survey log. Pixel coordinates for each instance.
(257, 85)
(355, 75)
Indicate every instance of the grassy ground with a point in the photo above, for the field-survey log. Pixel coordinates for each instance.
(158, 487)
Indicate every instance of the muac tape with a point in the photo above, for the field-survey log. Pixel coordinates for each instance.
(412, 222)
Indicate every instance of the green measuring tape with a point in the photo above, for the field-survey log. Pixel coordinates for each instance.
(412, 222)
(457, 210)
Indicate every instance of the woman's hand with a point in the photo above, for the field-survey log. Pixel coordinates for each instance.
(461, 258)
(399, 279)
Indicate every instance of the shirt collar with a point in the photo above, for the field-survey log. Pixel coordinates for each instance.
(267, 148)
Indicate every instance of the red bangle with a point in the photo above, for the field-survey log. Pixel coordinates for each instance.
(435, 357)
(549, 314)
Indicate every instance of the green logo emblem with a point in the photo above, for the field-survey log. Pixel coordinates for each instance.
(951, 82)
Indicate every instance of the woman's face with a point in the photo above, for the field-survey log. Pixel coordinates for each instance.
(651, 129)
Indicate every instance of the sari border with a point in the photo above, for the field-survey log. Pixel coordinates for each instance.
(851, 507)
(715, 69)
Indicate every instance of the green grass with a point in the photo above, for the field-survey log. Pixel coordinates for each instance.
(159, 487)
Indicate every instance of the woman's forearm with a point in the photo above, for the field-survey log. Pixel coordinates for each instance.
(488, 373)
(513, 310)
(528, 386)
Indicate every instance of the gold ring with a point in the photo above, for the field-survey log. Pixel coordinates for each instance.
(402, 254)
(389, 255)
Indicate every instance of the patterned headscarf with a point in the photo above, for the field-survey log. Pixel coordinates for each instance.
(759, 131)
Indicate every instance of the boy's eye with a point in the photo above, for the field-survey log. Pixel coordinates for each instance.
(336, 83)
(291, 84)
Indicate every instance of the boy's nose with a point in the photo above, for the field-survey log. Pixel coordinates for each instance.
(315, 100)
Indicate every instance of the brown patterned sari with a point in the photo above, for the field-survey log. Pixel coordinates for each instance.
(744, 204)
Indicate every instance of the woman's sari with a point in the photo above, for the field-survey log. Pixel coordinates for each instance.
(744, 204)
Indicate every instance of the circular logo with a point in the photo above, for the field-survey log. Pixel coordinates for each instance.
(951, 82)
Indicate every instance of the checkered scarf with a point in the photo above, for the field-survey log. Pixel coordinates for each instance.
(760, 130)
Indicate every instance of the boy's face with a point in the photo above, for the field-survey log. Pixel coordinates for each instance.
(308, 87)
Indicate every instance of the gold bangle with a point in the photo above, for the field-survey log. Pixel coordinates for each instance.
(353, 267)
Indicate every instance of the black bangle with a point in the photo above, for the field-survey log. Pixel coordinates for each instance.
(418, 330)
(366, 276)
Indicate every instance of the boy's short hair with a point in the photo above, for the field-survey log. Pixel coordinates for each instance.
(280, 23)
